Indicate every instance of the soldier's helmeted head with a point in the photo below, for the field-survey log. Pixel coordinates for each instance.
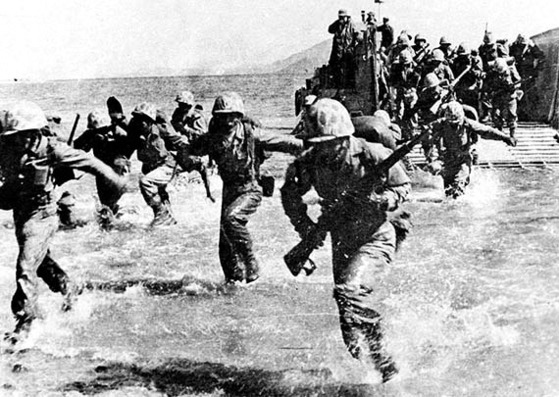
(488, 38)
(443, 42)
(437, 56)
(185, 99)
(420, 39)
(96, 119)
(463, 50)
(143, 118)
(521, 39)
(406, 58)
(403, 40)
(343, 15)
(228, 108)
(327, 119)
(431, 82)
(22, 124)
(454, 113)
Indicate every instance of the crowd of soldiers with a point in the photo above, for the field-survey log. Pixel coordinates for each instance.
(361, 182)
(412, 75)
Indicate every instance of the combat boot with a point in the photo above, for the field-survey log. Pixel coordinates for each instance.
(512, 132)
(162, 216)
(252, 271)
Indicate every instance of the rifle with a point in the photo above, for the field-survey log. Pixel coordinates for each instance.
(418, 58)
(298, 258)
(436, 106)
(73, 132)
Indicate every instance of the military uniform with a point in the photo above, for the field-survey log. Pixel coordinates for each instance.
(237, 150)
(363, 238)
(29, 170)
(468, 88)
(454, 141)
(111, 145)
(155, 140)
(342, 63)
(502, 83)
(190, 122)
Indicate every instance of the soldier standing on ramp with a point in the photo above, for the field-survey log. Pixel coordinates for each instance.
(28, 162)
(363, 239)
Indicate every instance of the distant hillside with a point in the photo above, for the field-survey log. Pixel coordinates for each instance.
(303, 62)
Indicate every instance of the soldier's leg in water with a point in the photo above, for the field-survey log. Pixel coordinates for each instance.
(108, 195)
(151, 185)
(357, 272)
(34, 232)
(234, 236)
(457, 177)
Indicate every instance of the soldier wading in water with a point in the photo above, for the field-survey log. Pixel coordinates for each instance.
(29, 163)
(363, 239)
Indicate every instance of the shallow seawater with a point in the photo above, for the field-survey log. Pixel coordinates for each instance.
(471, 302)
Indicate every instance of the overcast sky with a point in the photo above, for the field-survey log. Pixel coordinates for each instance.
(49, 39)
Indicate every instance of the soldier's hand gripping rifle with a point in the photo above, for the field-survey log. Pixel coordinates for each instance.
(298, 258)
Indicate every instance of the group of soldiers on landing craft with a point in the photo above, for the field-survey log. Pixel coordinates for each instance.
(486, 79)
(361, 182)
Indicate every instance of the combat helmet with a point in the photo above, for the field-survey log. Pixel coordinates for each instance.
(437, 55)
(431, 80)
(185, 97)
(463, 49)
(327, 119)
(405, 57)
(444, 41)
(96, 119)
(23, 116)
(229, 102)
(454, 112)
(499, 65)
(145, 109)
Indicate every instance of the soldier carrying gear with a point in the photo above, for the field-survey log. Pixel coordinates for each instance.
(237, 146)
(155, 139)
(454, 139)
(405, 80)
(387, 34)
(346, 38)
(28, 163)
(363, 239)
(436, 64)
(421, 49)
(446, 47)
(109, 140)
(189, 120)
(468, 88)
(502, 85)
(528, 57)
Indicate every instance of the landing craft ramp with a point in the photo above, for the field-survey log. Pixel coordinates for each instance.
(536, 148)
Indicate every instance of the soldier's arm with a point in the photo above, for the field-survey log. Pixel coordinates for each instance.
(488, 132)
(279, 142)
(333, 28)
(396, 188)
(297, 184)
(173, 140)
(199, 127)
(85, 140)
(61, 155)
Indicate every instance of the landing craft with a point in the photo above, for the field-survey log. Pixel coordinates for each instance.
(539, 108)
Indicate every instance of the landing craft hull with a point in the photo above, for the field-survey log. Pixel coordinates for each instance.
(541, 101)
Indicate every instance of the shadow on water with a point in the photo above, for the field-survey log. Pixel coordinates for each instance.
(177, 377)
(184, 286)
